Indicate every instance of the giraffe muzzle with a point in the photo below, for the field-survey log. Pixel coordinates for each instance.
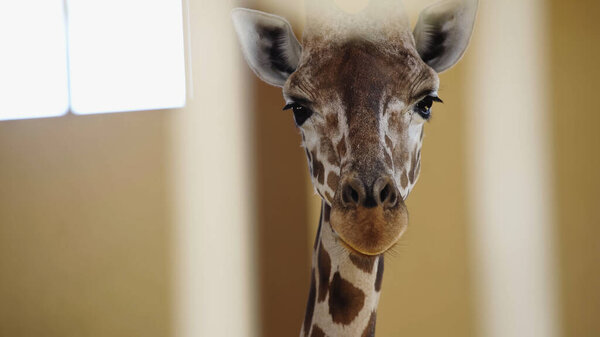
(368, 218)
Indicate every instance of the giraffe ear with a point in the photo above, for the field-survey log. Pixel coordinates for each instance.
(268, 44)
(443, 31)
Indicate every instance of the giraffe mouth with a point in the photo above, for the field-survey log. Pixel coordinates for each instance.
(352, 249)
(369, 231)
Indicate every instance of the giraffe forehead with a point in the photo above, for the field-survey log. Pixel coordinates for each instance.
(360, 75)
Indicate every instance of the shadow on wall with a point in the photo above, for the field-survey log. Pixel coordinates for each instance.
(281, 211)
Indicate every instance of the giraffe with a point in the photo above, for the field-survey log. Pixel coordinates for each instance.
(360, 88)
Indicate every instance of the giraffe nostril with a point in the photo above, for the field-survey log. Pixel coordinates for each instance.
(392, 199)
(386, 193)
(383, 193)
(349, 195)
(352, 193)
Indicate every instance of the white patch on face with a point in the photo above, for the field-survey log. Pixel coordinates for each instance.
(414, 139)
(312, 142)
(409, 140)
(394, 106)
(344, 133)
(383, 126)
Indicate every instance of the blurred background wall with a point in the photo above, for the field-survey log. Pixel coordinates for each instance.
(198, 221)
(84, 230)
(575, 44)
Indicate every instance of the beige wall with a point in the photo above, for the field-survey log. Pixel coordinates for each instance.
(84, 236)
(575, 52)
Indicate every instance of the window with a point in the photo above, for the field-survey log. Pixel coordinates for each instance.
(126, 55)
(33, 59)
(102, 56)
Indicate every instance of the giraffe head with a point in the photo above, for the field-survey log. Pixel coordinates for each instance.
(360, 88)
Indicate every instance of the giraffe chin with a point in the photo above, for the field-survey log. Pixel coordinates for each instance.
(369, 231)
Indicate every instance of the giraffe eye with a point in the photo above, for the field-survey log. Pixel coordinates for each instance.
(301, 113)
(423, 107)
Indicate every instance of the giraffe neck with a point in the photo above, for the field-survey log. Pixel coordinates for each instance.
(344, 288)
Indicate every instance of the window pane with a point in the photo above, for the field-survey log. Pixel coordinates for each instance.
(126, 55)
(33, 59)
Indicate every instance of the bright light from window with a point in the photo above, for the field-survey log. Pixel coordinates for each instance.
(33, 59)
(126, 55)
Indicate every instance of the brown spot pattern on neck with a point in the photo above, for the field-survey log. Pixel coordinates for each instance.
(317, 332)
(310, 305)
(345, 300)
(324, 271)
(326, 212)
(370, 328)
(379, 277)
(364, 262)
